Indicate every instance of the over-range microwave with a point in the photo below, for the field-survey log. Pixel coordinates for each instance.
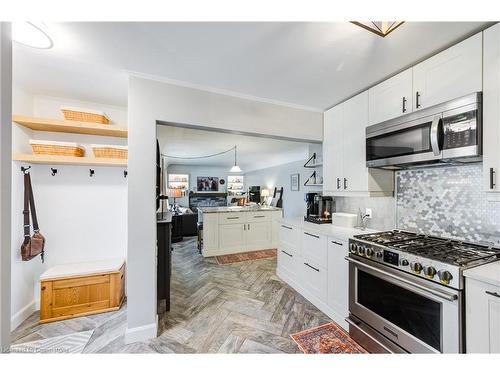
(446, 133)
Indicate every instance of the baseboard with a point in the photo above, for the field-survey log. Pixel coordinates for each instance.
(331, 313)
(141, 333)
(22, 315)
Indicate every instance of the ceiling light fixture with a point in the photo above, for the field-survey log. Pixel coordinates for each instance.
(381, 28)
(31, 34)
(235, 168)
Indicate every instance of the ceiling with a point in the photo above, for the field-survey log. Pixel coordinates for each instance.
(253, 152)
(313, 65)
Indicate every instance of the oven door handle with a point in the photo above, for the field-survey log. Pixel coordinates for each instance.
(446, 296)
(437, 135)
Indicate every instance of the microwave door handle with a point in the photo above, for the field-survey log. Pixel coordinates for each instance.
(436, 135)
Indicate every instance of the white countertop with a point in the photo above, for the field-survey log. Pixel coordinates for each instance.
(326, 229)
(211, 210)
(488, 273)
(83, 268)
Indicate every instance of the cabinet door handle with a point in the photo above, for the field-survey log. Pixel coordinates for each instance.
(284, 226)
(417, 101)
(312, 235)
(338, 183)
(248, 226)
(259, 216)
(494, 294)
(284, 252)
(337, 243)
(404, 104)
(233, 217)
(345, 183)
(314, 268)
(492, 178)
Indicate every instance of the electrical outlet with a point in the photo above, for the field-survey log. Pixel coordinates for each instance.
(368, 213)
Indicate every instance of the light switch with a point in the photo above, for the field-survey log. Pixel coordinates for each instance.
(368, 213)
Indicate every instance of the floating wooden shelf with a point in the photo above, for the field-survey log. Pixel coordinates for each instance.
(69, 160)
(64, 126)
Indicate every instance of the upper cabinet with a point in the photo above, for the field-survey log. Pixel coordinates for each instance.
(391, 98)
(455, 72)
(491, 112)
(344, 151)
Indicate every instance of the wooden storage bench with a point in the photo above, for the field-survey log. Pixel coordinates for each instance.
(72, 290)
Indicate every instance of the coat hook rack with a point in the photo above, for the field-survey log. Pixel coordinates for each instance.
(91, 172)
(125, 174)
(53, 171)
(25, 169)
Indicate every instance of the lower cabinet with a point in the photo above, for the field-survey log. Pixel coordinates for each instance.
(338, 277)
(232, 237)
(315, 267)
(258, 235)
(482, 317)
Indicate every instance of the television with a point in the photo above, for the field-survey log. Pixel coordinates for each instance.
(207, 183)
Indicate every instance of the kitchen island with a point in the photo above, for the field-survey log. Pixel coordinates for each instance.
(231, 230)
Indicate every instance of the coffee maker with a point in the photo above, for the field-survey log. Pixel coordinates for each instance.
(319, 208)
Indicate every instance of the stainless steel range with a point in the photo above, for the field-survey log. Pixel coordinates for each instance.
(406, 291)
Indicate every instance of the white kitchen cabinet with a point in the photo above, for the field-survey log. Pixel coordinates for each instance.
(232, 238)
(491, 112)
(314, 279)
(288, 262)
(275, 227)
(333, 149)
(482, 317)
(391, 98)
(452, 73)
(258, 235)
(344, 149)
(313, 248)
(210, 232)
(338, 278)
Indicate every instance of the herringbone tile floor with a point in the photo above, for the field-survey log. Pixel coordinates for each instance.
(233, 308)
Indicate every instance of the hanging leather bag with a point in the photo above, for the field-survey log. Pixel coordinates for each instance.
(33, 245)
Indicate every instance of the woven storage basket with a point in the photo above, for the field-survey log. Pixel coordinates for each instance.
(56, 148)
(77, 114)
(110, 152)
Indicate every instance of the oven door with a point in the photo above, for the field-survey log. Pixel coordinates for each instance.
(414, 142)
(417, 315)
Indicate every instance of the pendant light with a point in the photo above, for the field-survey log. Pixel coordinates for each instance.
(235, 168)
(381, 28)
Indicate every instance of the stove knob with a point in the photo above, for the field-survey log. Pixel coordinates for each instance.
(379, 254)
(404, 262)
(353, 247)
(429, 271)
(369, 251)
(416, 267)
(445, 276)
(361, 250)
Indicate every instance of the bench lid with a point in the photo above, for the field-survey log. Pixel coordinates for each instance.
(82, 268)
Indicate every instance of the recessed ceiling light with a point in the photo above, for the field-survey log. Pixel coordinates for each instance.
(31, 34)
(381, 28)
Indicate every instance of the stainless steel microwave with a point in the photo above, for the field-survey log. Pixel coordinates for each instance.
(445, 133)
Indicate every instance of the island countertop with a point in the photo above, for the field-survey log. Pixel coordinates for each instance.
(209, 210)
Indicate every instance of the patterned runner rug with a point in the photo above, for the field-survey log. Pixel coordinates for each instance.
(243, 257)
(72, 343)
(326, 339)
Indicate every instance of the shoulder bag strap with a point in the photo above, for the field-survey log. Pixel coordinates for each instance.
(26, 210)
(32, 206)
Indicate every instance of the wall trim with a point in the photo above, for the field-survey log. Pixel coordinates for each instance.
(23, 314)
(141, 333)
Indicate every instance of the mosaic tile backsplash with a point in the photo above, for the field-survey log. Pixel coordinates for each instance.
(447, 202)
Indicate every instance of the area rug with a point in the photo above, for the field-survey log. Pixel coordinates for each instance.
(72, 343)
(326, 339)
(243, 257)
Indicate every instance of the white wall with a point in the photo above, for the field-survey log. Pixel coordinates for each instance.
(195, 171)
(5, 176)
(82, 218)
(293, 201)
(148, 102)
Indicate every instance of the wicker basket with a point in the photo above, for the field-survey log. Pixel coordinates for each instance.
(79, 114)
(56, 148)
(110, 151)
